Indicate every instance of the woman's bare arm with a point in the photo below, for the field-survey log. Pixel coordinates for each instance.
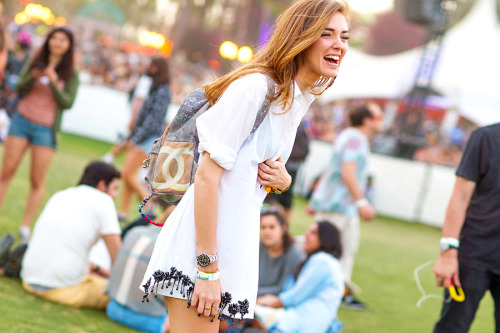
(206, 200)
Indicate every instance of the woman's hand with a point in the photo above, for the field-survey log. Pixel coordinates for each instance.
(128, 145)
(271, 301)
(52, 75)
(310, 210)
(206, 297)
(36, 73)
(274, 174)
(95, 269)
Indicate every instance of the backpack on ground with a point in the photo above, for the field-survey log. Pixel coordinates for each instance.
(13, 266)
(173, 158)
(11, 259)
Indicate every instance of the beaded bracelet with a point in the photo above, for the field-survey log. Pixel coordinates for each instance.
(275, 190)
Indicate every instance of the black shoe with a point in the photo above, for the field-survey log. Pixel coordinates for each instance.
(13, 266)
(351, 302)
(5, 244)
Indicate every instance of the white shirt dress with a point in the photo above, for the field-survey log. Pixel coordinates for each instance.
(224, 132)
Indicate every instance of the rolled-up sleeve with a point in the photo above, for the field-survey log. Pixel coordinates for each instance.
(223, 129)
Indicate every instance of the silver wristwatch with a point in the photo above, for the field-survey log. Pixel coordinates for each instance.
(204, 259)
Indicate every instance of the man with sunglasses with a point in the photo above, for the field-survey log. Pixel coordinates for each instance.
(340, 195)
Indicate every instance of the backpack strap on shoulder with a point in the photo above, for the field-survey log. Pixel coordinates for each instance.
(266, 105)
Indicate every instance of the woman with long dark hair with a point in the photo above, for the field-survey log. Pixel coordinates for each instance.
(47, 85)
(313, 293)
(278, 255)
(206, 257)
(148, 127)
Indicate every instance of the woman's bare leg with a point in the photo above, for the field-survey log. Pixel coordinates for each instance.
(165, 214)
(184, 320)
(15, 148)
(41, 158)
(131, 184)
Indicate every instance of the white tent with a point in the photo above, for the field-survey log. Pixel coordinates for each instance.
(465, 73)
(363, 75)
(468, 67)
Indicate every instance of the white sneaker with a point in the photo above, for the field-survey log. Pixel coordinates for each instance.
(108, 158)
(24, 234)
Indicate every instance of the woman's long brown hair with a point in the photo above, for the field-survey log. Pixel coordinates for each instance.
(162, 75)
(65, 68)
(296, 30)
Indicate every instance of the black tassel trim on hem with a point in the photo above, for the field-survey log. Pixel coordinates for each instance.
(177, 280)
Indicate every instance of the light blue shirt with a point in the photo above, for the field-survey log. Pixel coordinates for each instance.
(332, 194)
(312, 300)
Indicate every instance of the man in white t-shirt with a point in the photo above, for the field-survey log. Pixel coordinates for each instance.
(56, 264)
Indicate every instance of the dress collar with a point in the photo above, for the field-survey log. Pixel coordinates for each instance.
(308, 97)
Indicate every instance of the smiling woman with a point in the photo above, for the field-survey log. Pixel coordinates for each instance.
(238, 161)
(323, 58)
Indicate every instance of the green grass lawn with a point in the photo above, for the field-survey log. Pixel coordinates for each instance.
(390, 251)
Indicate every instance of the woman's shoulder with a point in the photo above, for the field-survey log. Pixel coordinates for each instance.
(325, 262)
(323, 258)
(252, 83)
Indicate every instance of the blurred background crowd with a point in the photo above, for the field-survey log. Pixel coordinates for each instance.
(116, 40)
(403, 58)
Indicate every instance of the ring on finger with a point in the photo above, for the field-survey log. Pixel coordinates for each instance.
(208, 309)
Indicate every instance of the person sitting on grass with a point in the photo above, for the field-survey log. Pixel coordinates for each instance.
(125, 305)
(278, 258)
(278, 255)
(312, 295)
(56, 264)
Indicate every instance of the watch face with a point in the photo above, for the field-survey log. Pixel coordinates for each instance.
(203, 260)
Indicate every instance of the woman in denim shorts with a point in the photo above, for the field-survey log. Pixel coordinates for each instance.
(47, 85)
